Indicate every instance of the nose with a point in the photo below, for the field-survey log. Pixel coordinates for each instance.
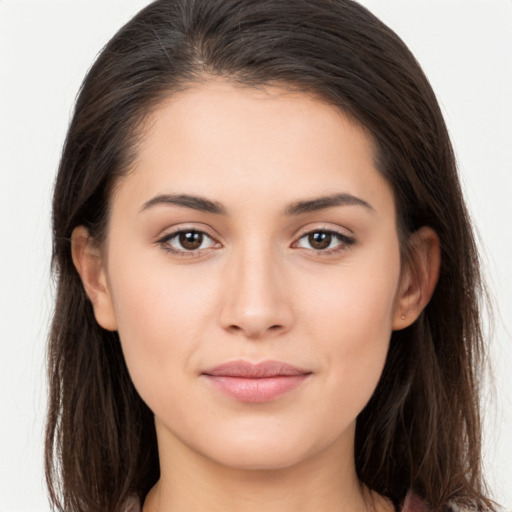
(256, 303)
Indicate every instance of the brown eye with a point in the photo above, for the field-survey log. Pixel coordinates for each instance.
(187, 241)
(320, 240)
(324, 241)
(190, 240)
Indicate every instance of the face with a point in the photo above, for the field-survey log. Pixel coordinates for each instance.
(253, 228)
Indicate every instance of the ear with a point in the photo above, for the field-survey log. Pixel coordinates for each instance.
(89, 265)
(419, 277)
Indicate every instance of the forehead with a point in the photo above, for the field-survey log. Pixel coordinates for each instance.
(228, 141)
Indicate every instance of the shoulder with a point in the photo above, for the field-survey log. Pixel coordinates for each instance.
(413, 503)
(454, 507)
(132, 505)
(458, 507)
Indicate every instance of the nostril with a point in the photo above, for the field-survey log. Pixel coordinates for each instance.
(254, 331)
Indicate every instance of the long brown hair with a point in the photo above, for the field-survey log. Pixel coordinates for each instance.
(421, 428)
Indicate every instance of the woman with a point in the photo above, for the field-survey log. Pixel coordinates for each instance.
(268, 284)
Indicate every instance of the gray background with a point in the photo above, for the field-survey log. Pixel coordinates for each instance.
(46, 47)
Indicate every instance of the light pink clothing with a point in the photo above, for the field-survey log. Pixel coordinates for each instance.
(413, 503)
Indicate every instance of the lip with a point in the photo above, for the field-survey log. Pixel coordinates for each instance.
(255, 383)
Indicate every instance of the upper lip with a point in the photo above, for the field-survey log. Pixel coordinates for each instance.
(255, 371)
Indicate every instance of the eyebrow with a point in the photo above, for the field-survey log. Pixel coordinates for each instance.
(321, 203)
(300, 207)
(188, 201)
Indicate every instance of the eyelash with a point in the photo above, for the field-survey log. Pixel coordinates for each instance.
(345, 242)
(165, 240)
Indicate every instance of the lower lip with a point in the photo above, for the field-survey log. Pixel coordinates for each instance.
(256, 390)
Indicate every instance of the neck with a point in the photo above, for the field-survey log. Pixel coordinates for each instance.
(325, 482)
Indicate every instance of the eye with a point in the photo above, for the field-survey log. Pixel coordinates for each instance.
(324, 240)
(186, 241)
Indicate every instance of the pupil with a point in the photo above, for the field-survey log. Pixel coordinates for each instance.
(191, 240)
(320, 240)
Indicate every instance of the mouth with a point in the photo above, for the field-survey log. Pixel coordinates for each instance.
(256, 383)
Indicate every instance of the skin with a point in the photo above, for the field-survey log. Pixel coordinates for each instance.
(257, 289)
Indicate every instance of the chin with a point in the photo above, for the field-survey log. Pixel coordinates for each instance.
(262, 454)
(270, 460)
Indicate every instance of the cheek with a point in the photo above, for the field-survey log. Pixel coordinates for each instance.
(351, 318)
(159, 313)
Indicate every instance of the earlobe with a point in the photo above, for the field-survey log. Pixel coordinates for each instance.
(419, 278)
(89, 265)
